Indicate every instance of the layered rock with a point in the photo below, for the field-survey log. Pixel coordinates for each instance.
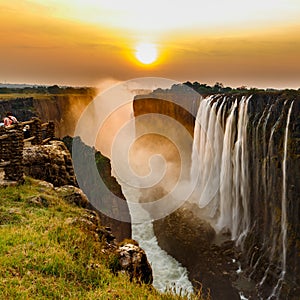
(52, 163)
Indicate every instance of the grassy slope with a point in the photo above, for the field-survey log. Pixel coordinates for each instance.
(42, 256)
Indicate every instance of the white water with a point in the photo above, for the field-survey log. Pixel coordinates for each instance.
(284, 223)
(266, 179)
(168, 273)
(284, 194)
(220, 152)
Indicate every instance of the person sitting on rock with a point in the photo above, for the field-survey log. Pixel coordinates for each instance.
(9, 119)
(26, 131)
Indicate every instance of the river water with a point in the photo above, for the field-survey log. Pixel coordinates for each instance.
(168, 273)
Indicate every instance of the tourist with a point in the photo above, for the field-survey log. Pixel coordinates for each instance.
(26, 131)
(9, 120)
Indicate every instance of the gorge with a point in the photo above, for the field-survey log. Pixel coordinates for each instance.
(237, 204)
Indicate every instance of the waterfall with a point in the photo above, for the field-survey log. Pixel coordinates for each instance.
(284, 223)
(220, 153)
(240, 151)
(284, 198)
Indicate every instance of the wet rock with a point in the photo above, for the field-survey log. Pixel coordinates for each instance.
(184, 231)
(189, 239)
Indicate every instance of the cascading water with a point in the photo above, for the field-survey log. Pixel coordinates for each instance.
(284, 224)
(221, 152)
(240, 162)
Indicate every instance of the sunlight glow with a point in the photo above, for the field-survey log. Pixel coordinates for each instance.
(146, 53)
(161, 16)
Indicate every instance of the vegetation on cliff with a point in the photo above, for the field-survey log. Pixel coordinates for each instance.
(44, 255)
(44, 90)
(217, 88)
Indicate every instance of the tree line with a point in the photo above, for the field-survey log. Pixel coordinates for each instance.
(53, 89)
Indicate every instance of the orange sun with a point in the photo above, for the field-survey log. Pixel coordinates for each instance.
(146, 53)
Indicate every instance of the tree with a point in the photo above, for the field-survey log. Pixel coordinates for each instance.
(54, 89)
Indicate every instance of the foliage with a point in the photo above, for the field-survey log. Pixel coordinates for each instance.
(217, 88)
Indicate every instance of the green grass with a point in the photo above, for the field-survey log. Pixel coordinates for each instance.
(44, 256)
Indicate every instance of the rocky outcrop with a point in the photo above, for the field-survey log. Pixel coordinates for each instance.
(50, 163)
(11, 150)
(53, 163)
(133, 260)
(127, 257)
(73, 195)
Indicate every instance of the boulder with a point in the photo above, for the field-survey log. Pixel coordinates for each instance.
(133, 260)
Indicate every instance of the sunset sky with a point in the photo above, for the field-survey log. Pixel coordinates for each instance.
(237, 42)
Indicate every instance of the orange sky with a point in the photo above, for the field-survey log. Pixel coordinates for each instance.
(253, 43)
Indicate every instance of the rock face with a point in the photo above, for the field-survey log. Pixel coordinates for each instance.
(190, 240)
(161, 105)
(275, 201)
(50, 163)
(93, 173)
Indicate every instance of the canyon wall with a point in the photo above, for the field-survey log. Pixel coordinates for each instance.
(93, 174)
(272, 246)
(64, 109)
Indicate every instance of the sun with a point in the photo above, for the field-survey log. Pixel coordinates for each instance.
(146, 53)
